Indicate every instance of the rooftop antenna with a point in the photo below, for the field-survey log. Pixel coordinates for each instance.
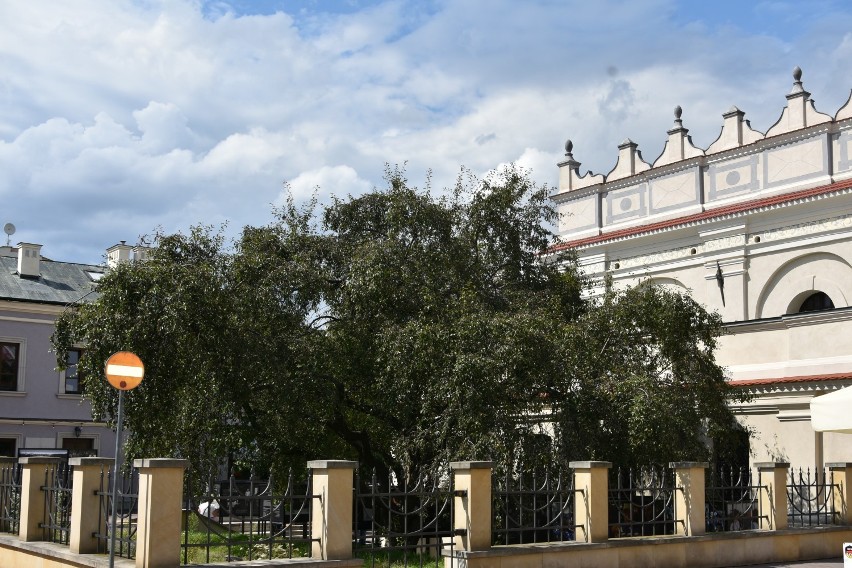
(9, 229)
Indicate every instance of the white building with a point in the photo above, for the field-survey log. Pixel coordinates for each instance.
(756, 226)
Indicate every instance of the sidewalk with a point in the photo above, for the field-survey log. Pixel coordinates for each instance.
(830, 563)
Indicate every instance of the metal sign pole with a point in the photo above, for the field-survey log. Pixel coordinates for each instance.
(115, 477)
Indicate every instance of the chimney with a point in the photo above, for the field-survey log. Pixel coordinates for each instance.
(29, 257)
(140, 253)
(118, 253)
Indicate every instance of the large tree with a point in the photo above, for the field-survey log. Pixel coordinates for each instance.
(402, 329)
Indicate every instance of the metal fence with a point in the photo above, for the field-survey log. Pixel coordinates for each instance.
(57, 503)
(810, 496)
(402, 523)
(732, 499)
(126, 511)
(251, 519)
(530, 508)
(10, 497)
(641, 502)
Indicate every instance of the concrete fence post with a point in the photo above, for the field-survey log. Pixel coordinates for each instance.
(689, 497)
(86, 503)
(158, 528)
(36, 470)
(841, 493)
(773, 494)
(591, 500)
(331, 514)
(7, 472)
(472, 504)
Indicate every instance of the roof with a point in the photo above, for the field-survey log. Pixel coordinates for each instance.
(799, 379)
(59, 282)
(738, 208)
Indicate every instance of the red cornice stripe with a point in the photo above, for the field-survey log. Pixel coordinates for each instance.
(710, 214)
(800, 379)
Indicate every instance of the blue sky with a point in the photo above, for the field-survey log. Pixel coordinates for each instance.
(118, 118)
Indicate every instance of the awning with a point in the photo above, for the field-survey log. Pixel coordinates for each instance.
(832, 412)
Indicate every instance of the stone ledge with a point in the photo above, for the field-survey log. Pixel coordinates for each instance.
(283, 562)
(62, 552)
(637, 542)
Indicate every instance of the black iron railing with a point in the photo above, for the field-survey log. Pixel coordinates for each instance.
(10, 496)
(57, 502)
(641, 502)
(530, 508)
(126, 511)
(810, 498)
(403, 523)
(732, 499)
(251, 519)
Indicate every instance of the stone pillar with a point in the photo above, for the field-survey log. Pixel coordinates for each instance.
(472, 504)
(689, 497)
(331, 514)
(86, 503)
(773, 494)
(841, 494)
(7, 472)
(591, 500)
(36, 470)
(159, 519)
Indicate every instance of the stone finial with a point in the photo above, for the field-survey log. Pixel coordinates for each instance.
(797, 81)
(799, 112)
(569, 172)
(679, 146)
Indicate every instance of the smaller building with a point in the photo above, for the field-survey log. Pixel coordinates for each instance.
(42, 408)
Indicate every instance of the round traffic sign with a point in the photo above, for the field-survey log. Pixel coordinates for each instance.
(124, 370)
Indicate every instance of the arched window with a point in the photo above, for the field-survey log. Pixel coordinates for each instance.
(816, 302)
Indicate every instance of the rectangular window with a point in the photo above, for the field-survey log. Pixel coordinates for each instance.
(73, 382)
(8, 446)
(80, 447)
(10, 354)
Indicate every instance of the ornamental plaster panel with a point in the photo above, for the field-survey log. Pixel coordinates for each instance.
(844, 151)
(674, 191)
(628, 203)
(795, 162)
(734, 177)
(579, 214)
(802, 229)
(657, 257)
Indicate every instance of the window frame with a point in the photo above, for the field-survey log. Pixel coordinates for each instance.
(63, 376)
(20, 386)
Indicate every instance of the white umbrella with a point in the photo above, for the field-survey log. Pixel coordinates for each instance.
(832, 412)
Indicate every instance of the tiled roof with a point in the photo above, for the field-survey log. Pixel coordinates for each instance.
(799, 379)
(709, 214)
(59, 282)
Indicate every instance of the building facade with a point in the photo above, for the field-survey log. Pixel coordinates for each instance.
(41, 407)
(757, 227)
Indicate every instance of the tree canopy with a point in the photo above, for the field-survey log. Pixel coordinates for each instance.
(402, 329)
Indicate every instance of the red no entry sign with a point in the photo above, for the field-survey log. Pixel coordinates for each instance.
(124, 370)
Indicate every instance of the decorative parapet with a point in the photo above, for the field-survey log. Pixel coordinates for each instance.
(799, 112)
(804, 149)
(736, 132)
(629, 162)
(679, 146)
(569, 172)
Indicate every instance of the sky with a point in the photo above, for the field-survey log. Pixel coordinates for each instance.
(121, 118)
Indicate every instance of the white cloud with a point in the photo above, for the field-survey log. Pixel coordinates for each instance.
(118, 117)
